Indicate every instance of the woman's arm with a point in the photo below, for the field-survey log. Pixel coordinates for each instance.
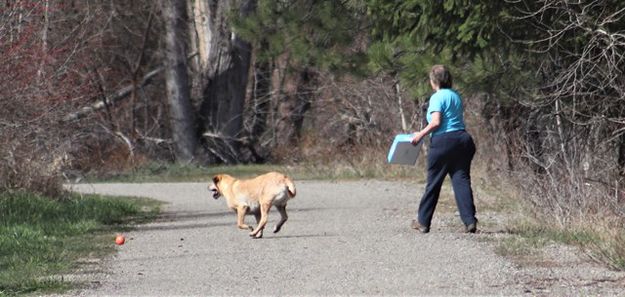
(432, 126)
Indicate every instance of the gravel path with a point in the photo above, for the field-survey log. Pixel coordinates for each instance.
(342, 238)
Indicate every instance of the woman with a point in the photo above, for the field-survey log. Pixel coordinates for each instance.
(451, 152)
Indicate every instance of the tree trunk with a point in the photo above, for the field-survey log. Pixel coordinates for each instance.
(226, 72)
(621, 155)
(295, 99)
(194, 63)
(305, 94)
(203, 21)
(261, 99)
(177, 80)
(260, 105)
(402, 117)
(44, 39)
(199, 38)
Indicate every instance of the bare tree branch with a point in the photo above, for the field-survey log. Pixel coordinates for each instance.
(119, 95)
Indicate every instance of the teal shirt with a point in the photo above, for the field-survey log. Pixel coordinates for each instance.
(449, 104)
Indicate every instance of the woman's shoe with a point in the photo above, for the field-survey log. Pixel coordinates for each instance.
(471, 228)
(417, 226)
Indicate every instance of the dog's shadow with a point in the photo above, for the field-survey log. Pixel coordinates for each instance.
(174, 220)
(299, 236)
(172, 216)
(161, 227)
(181, 220)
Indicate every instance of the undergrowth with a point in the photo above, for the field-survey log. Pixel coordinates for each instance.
(601, 244)
(42, 238)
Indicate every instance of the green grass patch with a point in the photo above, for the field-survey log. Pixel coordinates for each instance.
(167, 172)
(539, 235)
(529, 238)
(41, 238)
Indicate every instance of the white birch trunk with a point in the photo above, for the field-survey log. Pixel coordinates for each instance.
(402, 116)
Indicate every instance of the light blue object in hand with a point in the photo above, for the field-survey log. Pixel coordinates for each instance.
(403, 151)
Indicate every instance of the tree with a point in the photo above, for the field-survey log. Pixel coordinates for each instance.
(578, 54)
(474, 36)
(224, 62)
(182, 119)
(294, 41)
(552, 73)
(43, 73)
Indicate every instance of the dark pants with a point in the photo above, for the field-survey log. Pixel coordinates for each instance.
(450, 153)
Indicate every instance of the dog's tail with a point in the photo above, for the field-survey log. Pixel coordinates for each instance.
(289, 186)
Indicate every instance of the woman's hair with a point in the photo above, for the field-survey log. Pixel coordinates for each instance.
(441, 76)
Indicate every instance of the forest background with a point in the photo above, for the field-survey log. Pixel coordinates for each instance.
(102, 87)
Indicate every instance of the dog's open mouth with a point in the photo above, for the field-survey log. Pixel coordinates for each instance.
(216, 193)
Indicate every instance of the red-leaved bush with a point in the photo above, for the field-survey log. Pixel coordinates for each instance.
(43, 74)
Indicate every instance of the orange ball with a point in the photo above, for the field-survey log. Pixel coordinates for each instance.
(119, 240)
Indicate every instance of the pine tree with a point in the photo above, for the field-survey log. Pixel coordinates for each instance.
(297, 39)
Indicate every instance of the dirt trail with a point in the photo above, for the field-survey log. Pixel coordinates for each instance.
(342, 238)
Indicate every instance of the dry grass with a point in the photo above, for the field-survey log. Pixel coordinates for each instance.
(601, 239)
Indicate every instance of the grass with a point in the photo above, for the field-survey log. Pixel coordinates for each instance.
(41, 239)
(610, 251)
(166, 172)
(528, 238)
(603, 240)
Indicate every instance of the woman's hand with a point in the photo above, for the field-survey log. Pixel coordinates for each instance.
(435, 122)
(417, 137)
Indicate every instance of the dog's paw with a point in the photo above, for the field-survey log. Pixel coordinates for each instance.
(257, 235)
(246, 227)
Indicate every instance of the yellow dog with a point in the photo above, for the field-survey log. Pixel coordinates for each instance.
(255, 196)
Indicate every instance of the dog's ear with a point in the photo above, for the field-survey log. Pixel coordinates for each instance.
(216, 179)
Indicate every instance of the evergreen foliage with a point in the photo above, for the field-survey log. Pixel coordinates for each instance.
(463, 26)
(410, 36)
(321, 34)
(499, 47)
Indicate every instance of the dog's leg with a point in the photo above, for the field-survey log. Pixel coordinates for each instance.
(264, 211)
(283, 218)
(241, 210)
(257, 216)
